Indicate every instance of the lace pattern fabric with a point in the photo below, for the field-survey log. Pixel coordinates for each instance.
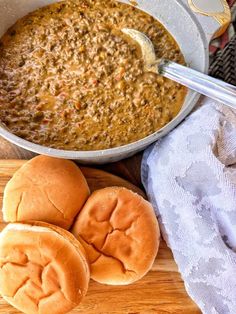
(190, 177)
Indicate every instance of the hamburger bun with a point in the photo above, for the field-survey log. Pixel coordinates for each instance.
(45, 189)
(120, 234)
(43, 268)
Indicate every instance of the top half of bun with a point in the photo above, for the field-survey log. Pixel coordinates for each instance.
(42, 267)
(120, 233)
(46, 189)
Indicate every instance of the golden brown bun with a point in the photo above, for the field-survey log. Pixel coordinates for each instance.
(45, 189)
(120, 234)
(43, 269)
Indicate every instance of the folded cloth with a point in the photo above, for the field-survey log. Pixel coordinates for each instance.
(190, 177)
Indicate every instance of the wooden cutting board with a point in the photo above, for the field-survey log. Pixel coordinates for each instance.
(161, 291)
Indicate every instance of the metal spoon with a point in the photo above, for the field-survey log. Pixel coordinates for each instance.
(201, 83)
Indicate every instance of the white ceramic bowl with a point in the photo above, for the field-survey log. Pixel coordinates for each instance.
(191, 22)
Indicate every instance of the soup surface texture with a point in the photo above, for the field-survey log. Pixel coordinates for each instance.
(70, 79)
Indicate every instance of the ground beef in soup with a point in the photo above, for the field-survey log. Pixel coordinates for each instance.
(70, 79)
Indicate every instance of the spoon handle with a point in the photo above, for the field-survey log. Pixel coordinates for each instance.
(202, 83)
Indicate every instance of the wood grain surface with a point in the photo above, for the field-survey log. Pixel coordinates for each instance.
(161, 291)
